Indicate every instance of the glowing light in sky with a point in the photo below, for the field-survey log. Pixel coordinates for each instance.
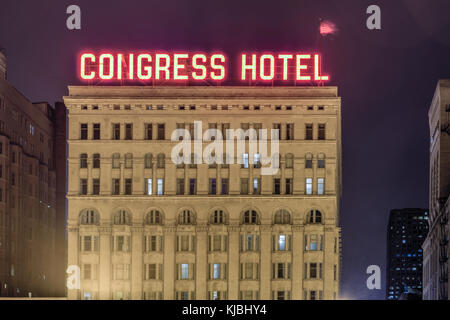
(327, 27)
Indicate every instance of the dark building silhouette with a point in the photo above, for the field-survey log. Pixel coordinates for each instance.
(407, 229)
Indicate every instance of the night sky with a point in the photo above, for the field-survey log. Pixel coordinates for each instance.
(386, 79)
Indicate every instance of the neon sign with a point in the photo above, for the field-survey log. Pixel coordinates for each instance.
(183, 66)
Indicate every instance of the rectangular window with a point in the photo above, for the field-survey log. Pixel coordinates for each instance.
(128, 131)
(161, 131)
(192, 187)
(116, 186)
(245, 160)
(184, 271)
(180, 186)
(148, 131)
(216, 271)
(308, 185)
(83, 186)
(244, 186)
(276, 186)
(224, 186)
(83, 131)
(289, 186)
(313, 270)
(96, 161)
(309, 131)
(212, 186)
(257, 161)
(160, 190)
(96, 127)
(116, 131)
(149, 186)
(128, 186)
(282, 242)
(321, 132)
(290, 131)
(95, 186)
(256, 186)
(320, 186)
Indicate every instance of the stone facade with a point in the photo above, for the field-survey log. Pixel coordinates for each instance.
(436, 247)
(142, 227)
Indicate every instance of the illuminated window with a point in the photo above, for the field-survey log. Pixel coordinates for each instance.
(245, 160)
(309, 185)
(160, 185)
(320, 186)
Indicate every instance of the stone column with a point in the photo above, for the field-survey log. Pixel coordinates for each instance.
(265, 262)
(169, 262)
(297, 262)
(136, 262)
(105, 264)
(201, 262)
(233, 262)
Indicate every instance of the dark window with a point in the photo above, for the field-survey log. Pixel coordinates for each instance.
(83, 186)
(96, 161)
(288, 186)
(128, 186)
(96, 127)
(180, 186)
(212, 186)
(161, 131)
(149, 131)
(309, 132)
(129, 131)
(192, 186)
(244, 186)
(116, 131)
(96, 186)
(83, 131)
(313, 270)
(321, 133)
(224, 186)
(276, 186)
(290, 131)
(83, 160)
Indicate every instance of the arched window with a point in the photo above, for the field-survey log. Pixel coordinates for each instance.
(217, 217)
(321, 160)
(148, 161)
(116, 160)
(89, 216)
(282, 217)
(129, 160)
(83, 160)
(309, 161)
(314, 216)
(154, 217)
(289, 160)
(122, 217)
(161, 161)
(250, 217)
(186, 217)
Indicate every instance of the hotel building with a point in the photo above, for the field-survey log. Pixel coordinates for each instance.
(32, 211)
(142, 227)
(436, 246)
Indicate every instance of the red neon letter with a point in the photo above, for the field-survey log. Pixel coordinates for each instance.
(102, 66)
(317, 70)
(215, 66)
(83, 74)
(301, 67)
(262, 65)
(119, 66)
(131, 66)
(251, 67)
(177, 65)
(198, 66)
(165, 68)
(285, 58)
(148, 69)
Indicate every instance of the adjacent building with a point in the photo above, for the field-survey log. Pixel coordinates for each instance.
(142, 227)
(407, 229)
(31, 215)
(436, 246)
